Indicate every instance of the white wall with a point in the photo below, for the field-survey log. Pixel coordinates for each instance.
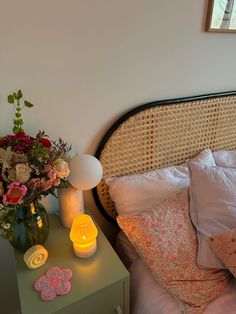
(84, 62)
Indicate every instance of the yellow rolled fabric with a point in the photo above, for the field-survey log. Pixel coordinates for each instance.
(35, 256)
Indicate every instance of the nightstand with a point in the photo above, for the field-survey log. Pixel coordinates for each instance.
(100, 283)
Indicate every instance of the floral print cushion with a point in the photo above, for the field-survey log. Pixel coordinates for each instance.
(224, 245)
(165, 239)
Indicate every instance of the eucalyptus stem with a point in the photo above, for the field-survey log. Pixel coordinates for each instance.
(14, 99)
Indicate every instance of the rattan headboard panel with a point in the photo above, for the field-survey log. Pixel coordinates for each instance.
(164, 133)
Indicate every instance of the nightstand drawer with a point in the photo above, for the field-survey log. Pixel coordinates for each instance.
(107, 301)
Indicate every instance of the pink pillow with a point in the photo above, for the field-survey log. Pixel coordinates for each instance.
(166, 241)
(134, 193)
(212, 207)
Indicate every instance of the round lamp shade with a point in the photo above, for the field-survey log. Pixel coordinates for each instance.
(85, 172)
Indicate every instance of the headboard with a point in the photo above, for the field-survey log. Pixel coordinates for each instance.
(164, 133)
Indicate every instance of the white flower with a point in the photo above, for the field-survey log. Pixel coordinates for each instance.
(5, 157)
(19, 158)
(22, 173)
(61, 167)
(6, 226)
(12, 174)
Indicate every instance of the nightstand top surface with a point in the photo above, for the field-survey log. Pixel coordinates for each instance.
(89, 275)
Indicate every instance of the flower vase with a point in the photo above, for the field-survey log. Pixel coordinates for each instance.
(31, 227)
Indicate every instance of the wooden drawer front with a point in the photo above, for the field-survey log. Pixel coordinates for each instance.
(107, 301)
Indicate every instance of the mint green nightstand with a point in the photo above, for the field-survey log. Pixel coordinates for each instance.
(100, 283)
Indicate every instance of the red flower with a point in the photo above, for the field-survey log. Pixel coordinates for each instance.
(18, 136)
(2, 142)
(29, 141)
(45, 142)
(21, 135)
(21, 148)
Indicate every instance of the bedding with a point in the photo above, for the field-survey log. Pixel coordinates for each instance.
(166, 241)
(147, 297)
(155, 136)
(212, 207)
(224, 158)
(133, 194)
(224, 245)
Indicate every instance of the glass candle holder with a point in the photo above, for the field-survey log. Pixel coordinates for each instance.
(83, 234)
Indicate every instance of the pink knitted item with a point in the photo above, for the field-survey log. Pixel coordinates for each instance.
(54, 282)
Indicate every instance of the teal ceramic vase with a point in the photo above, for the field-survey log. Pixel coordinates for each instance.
(31, 227)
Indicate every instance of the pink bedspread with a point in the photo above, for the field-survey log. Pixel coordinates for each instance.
(147, 297)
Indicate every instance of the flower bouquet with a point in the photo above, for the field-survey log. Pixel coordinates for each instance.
(30, 167)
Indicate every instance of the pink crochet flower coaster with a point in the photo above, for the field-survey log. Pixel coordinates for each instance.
(55, 282)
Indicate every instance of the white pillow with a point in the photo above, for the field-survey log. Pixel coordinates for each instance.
(225, 158)
(133, 194)
(212, 207)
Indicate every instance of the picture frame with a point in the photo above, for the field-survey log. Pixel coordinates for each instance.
(221, 16)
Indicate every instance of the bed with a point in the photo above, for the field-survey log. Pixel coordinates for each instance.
(159, 135)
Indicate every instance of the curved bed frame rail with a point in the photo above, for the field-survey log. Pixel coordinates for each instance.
(163, 133)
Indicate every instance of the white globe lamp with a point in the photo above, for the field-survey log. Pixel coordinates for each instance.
(85, 173)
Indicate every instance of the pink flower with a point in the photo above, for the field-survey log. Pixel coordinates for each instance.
(52, 174)
(56, 182)
(34, 183)
(48, 167)
(55, 282)
(15, 193)
(47, 185)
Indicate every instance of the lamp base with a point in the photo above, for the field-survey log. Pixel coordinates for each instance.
(71, 205)
(85, 250)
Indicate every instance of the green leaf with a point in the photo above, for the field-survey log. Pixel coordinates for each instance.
(10, 99)
(28, 104)
(20, 122)
(15, 95)
(15, 129)
(18, 114)
(19, 94)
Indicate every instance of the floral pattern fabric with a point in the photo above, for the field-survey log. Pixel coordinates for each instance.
(166, 241)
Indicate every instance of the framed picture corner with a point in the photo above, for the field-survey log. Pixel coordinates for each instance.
(221, 16)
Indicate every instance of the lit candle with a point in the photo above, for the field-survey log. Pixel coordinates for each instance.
(83, 234)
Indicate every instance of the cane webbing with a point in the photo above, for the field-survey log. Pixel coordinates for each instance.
(166, 135)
